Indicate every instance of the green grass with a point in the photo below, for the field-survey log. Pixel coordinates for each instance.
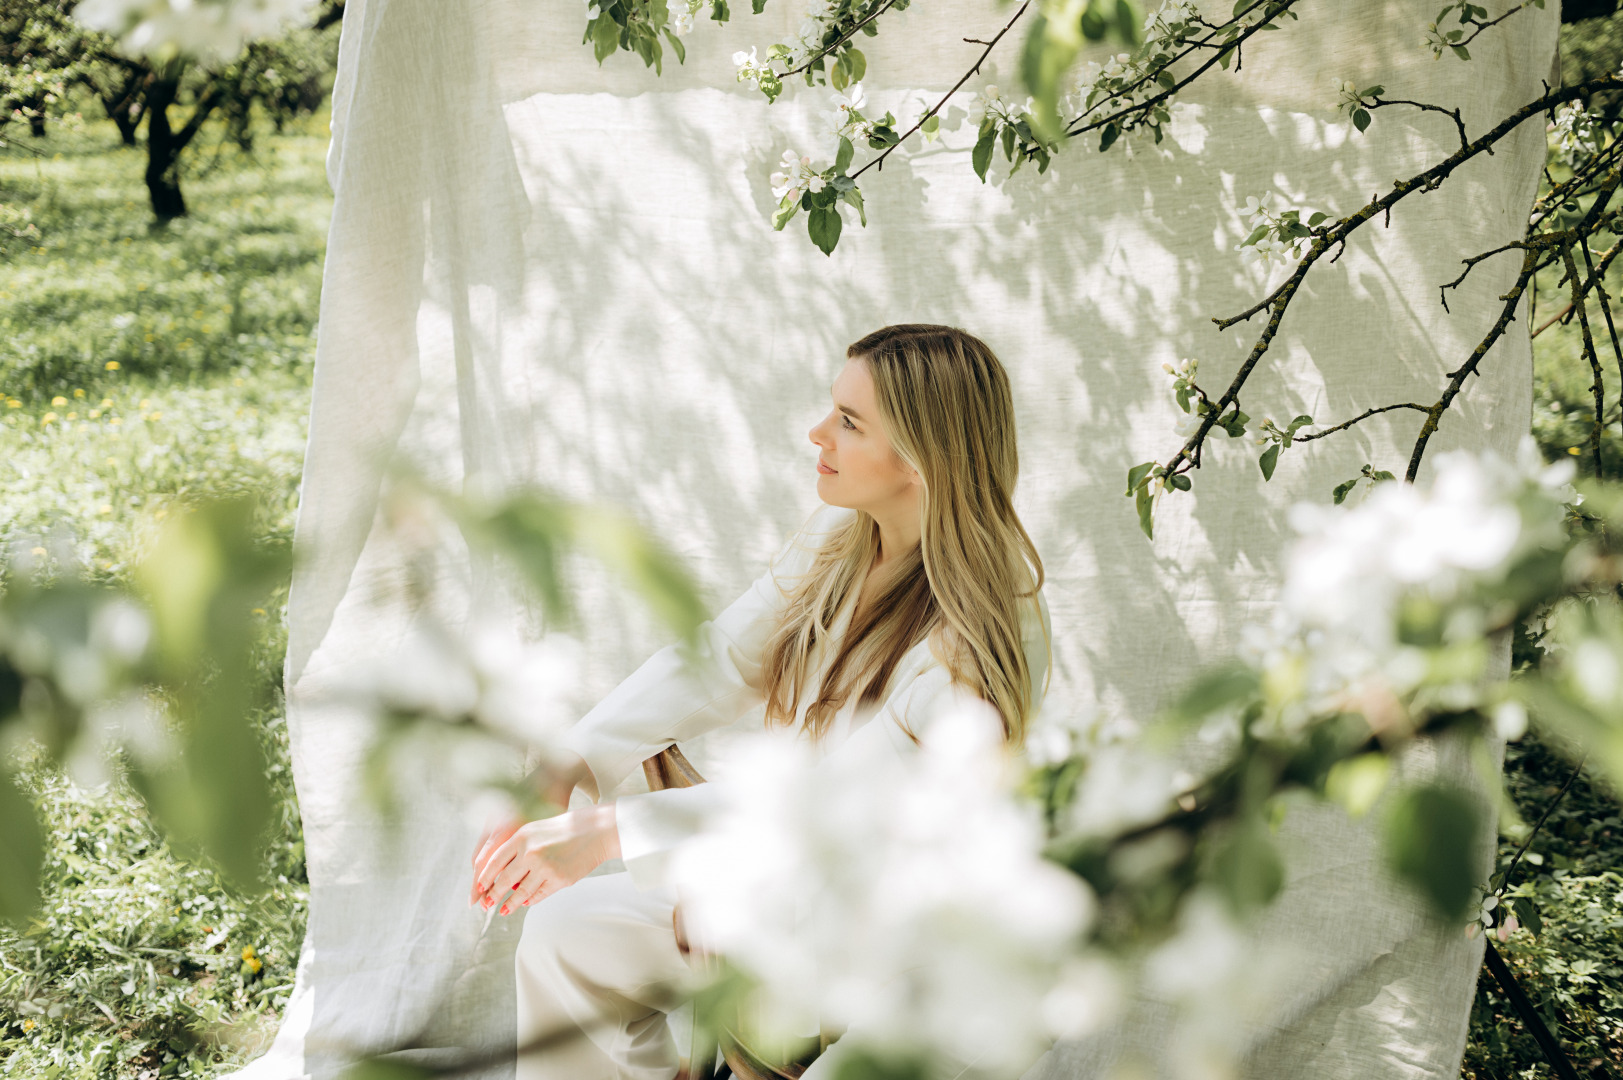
(138, 368)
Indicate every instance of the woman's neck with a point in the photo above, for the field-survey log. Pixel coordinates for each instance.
(898, 533)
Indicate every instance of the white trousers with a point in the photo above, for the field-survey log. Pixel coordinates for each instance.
(599, 958)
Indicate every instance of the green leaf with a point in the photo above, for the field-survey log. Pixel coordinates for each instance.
(719, 12)
(786, 210)
(981, 158)
(1381, 474)
(1527, 913)
(1146, 512)
(677, 47)
(1256, 234)
(1182, 396)
(1136, 476)
(1249, 871)
(855, 63)
(1373, 91)
(1462, 52)
(838, 77)
(605, 37)
(757, 6)
(1355, 783)
(843, 156)
(853, 197)
(1270, 458)
(1342, 490)
(1432, 837)
(22, 851)
(1213, 691)
(1299, 422)
(1107, 139)
(1361, 119)
(1008, 143)
(932, 123)
(823, 225)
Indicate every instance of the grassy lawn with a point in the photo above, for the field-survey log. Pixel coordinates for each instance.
(138, 368)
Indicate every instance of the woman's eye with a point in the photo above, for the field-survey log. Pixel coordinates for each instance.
(846, 421)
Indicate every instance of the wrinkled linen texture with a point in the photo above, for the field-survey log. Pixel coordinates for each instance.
(542, 271)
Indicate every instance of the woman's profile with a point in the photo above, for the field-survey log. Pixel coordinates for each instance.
(914, 587)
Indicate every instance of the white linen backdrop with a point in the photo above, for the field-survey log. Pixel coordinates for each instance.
(544, 271)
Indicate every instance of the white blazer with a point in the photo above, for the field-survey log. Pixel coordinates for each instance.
(682, 692)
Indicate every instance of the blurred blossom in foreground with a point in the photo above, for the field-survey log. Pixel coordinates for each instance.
(210, 30)
(1357, 577)
(903, 894)
(448, 689)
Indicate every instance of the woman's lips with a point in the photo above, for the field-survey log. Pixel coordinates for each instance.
(824, 468)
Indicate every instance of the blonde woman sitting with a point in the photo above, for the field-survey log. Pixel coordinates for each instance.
(914, 586)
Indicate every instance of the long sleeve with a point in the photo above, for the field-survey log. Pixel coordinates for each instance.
(651, 825)
(683, 691)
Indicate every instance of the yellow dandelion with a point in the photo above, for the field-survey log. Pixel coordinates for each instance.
(112, 461)
(94, 414)
(73, 416)
(106, 508)
(59, 401)
(247, 952)
(48, 418)
(78, 393)
(236, 382)
(116, 421)
(259, 611)
(111, 365)
(28, 1025)
(1574, 451)
(141, 288)
(157, 416)
(198, 314)
(13, 403)
(150, 337)
(106, 403)
(146, 403)
(207, 329)
(36, 551)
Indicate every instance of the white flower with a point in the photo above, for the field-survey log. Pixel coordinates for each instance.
(208, 29)
(1257, 208)
(795, 175)
(991, 92)
(846, 120)
(743, 60)
(681, 23)
(906, 892)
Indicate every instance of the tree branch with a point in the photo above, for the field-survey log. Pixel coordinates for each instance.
(878, 11)
(990, 45)
(1361, 417)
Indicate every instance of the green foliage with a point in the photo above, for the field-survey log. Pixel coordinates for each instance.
(127, 928)
(1572, 967)
(1431, 833)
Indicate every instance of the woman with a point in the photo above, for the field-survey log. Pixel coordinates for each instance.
(916, 585)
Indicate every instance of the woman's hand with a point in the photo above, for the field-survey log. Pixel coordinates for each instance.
(556, 782)
(538, 858)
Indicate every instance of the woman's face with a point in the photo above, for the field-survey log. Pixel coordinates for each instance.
(856, 466)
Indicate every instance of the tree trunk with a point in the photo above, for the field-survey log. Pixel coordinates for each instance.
(163, 185)
(164, 144)
(36, 124)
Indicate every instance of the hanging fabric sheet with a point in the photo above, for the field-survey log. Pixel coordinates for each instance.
(541, 271)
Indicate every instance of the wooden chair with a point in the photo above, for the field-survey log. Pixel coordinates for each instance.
(670, 768)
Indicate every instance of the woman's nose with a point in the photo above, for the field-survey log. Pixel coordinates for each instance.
(816, 434)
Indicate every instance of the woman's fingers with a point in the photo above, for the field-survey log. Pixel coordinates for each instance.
(495, 864)
(533, 888)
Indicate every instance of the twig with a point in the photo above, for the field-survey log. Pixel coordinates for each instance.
(1457, 377)
(1363, 416)
(1071, 130)
(1452, 114)
(1598, 386)
(948, 96)
(849, 34)
(1539, 824)
(1553, 319)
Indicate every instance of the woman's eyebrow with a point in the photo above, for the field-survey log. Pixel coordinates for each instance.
(848, 410)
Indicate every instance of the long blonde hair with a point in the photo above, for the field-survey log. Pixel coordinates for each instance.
(945, 402)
